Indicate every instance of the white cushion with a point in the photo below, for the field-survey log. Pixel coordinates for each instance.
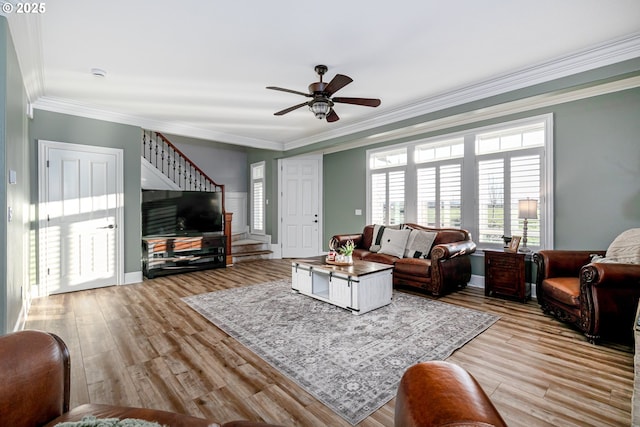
(394, 241)
(419, 243)
(378, 231)
(625, 248)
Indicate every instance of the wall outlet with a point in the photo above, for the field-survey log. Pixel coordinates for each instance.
(358, 211)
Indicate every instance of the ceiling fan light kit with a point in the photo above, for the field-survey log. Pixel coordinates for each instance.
(322, 103)
(320, 108)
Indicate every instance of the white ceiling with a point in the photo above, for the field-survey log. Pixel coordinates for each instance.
(200, 68)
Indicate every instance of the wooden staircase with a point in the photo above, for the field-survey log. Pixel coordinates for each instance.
(245, 247)
(176, 167)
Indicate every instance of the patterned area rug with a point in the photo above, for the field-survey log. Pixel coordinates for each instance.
(353, 364)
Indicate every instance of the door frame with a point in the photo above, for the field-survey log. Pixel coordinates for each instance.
(43, 150)
(281, 224)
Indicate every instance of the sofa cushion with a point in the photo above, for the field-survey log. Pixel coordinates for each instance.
(381, 258)
(378, 232)
(563, 289)
(413, 266)
(419, 243)
(394, 242)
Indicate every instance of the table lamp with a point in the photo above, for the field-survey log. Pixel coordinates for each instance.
(527, 209)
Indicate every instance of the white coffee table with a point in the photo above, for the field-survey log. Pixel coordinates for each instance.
(359, 288)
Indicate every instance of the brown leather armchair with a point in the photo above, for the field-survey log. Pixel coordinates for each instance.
(35, 388)
(439, 394)
(599, 298)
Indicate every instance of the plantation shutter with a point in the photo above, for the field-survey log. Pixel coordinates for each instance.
(396, 197)
(427, 196)
(379, 198)
(257, 198)
(491, 200)
(451, 195)
(525, 183)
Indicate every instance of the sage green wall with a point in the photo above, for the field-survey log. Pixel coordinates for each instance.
(14, 233)
(344, 192)
(78, 130)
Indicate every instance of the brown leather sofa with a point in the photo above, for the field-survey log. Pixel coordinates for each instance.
(599, 298)
(438, 394)
(35, 389)
(447, 267)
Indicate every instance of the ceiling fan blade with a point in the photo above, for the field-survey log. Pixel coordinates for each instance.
(332, 116)
(288, 110)
(288, 90)
(367, 102)
(337, 83)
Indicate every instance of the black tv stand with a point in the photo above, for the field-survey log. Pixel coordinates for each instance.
(162, 255)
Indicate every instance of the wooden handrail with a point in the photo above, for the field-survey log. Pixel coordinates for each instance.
(177, 150)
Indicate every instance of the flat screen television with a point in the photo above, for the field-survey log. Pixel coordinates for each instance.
(180, 213)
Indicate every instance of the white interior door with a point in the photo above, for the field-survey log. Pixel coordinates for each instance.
(80, 214)
(300, 207)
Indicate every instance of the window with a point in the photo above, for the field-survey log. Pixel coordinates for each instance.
(258, 198)
(387, 192)
(472, 180)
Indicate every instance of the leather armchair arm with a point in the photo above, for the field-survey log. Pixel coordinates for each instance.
(611, 275)
(609, 299)
(35, 382)
(445, 251)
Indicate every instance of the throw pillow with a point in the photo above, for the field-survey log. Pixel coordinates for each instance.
(419, 243)
(394, 242)
(378, 231)
(625, 248)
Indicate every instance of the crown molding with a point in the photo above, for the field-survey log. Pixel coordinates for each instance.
(597, 56)
(65, 106)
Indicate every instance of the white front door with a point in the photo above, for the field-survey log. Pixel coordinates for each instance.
(300, 207)
(80, 212)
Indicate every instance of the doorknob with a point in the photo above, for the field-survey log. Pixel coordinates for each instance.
(108, 226)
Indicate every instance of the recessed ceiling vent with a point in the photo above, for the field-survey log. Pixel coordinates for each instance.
(98, 72)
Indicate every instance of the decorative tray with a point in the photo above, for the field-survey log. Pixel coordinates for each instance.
(338, 263)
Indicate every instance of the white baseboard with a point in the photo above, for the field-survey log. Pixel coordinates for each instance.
(131, 278)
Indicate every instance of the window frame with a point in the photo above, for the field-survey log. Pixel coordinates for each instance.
(469, 202)
(252, 204)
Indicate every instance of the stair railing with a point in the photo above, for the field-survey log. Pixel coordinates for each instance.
(175, 165)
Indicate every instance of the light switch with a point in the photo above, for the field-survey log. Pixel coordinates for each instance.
(13, 177)
(358, 211)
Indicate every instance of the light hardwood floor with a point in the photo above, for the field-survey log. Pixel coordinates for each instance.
(140, 345)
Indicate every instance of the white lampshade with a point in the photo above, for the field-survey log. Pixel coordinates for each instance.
(528, 209)
(320, 109)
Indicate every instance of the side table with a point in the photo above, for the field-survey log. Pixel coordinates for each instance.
(505, 274)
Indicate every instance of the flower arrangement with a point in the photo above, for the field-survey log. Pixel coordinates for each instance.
(347, 248)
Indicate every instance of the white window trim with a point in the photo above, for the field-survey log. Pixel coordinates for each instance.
(469, 217)
(253, 230)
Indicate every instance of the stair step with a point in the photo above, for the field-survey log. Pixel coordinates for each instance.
(251, 256)
(249, 246)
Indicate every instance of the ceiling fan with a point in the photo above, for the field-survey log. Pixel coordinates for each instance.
(321, 93)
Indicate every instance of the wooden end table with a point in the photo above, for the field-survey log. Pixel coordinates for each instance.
(505, 274)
